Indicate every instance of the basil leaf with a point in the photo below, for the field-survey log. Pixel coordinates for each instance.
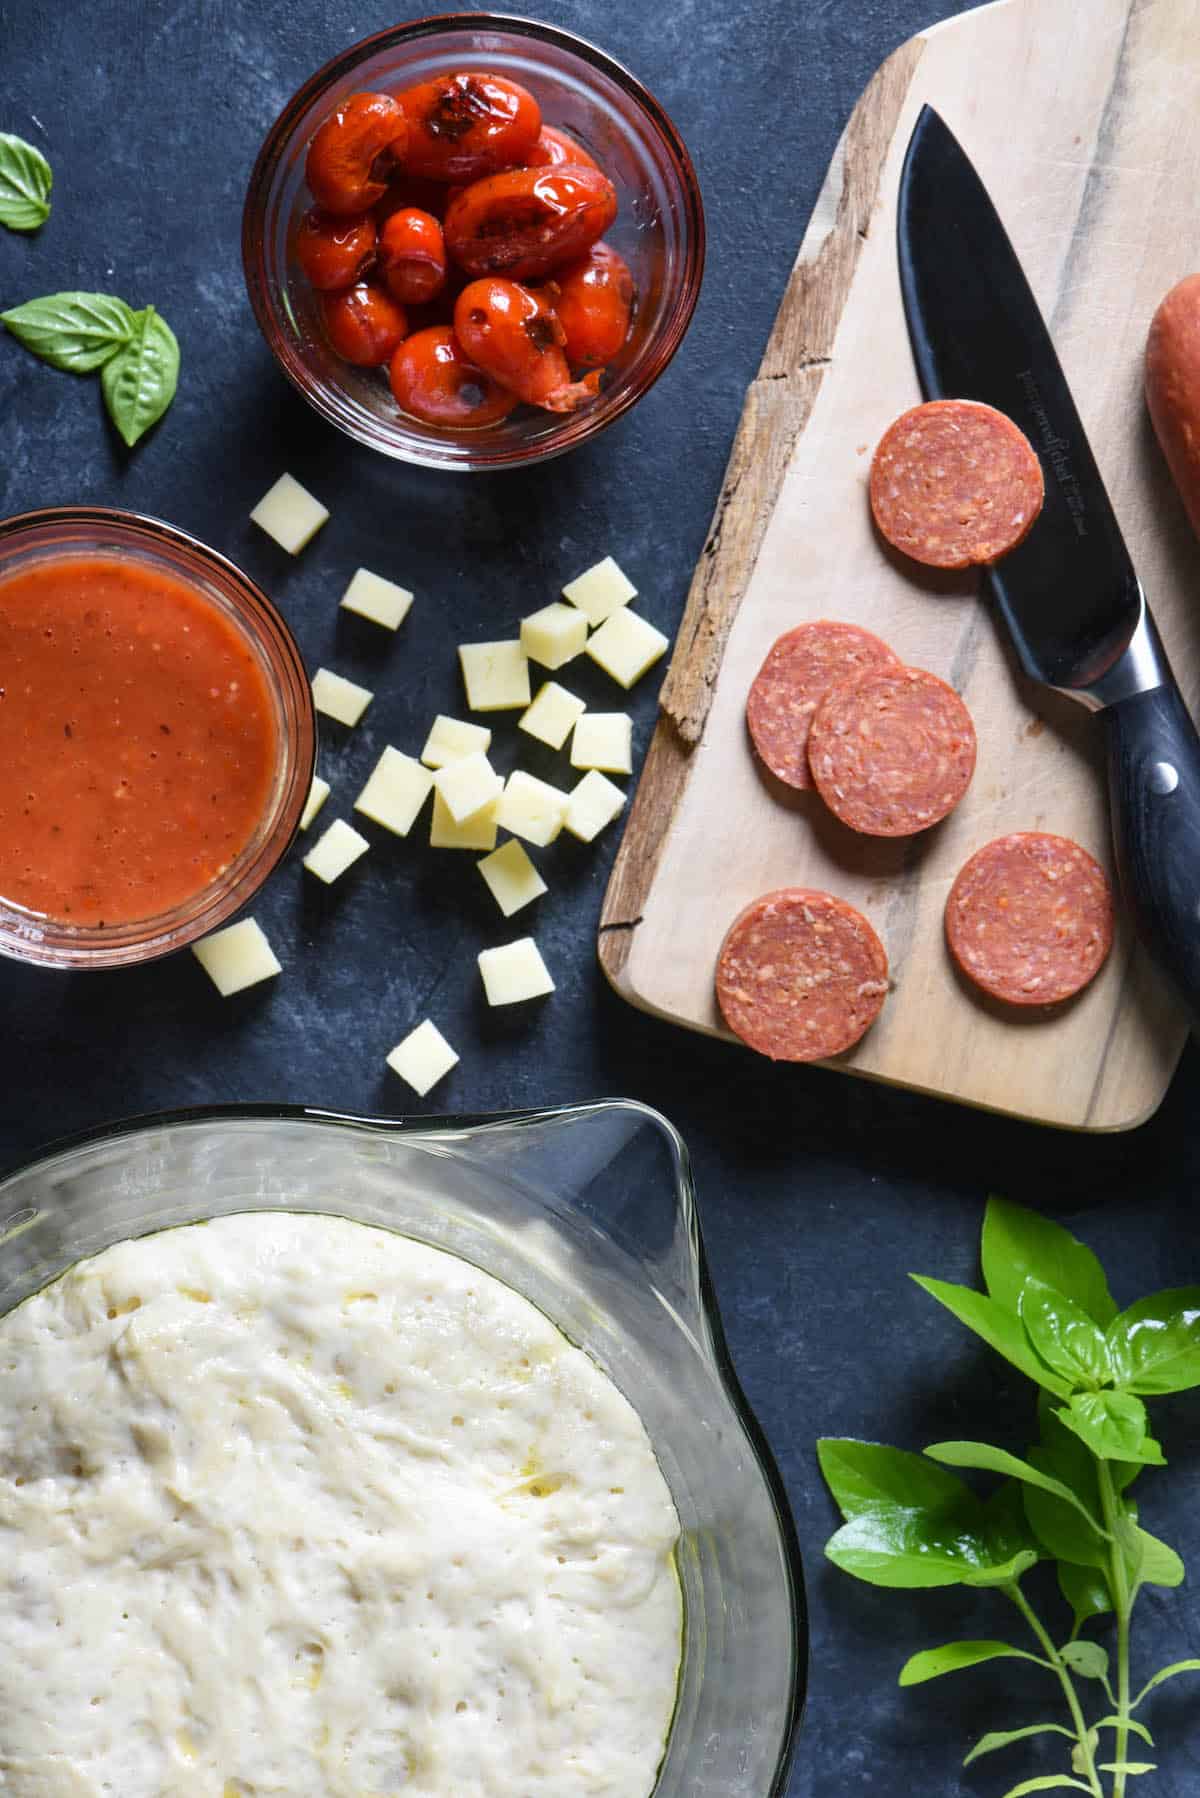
(75, 331)
(1139, 1729)
(1127, 1767)
(1158, 1565)
(1018, 1243)
(998, 1460)
(1064, 1335)
(1003, 1573)
(1087, 1659)
(1164, 1674)
(1113, 1426)
(1000, 1738)
(1155, 1345)
(909, 1525)
(139, 384)
(953, 1657)
(1046, 1782)
(867, 1477)
(999, 1328)
(25, 182)
(1085, 1590)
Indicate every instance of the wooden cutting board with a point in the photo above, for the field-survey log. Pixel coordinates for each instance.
(1084, 122)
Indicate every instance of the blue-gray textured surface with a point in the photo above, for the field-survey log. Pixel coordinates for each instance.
(818, 1193)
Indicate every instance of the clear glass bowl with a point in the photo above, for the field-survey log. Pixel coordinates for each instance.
(659, 229)
(589, 1212)
(55, 535)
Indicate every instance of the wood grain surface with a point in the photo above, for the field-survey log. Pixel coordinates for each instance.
(1084, 132)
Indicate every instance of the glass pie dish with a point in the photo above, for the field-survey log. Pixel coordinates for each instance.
(589, 1213)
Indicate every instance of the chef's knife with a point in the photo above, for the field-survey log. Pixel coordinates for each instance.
(1068, 594)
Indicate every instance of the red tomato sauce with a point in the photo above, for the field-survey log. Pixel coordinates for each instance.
(137, 740)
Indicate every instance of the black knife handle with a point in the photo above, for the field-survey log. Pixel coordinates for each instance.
(1154, 786)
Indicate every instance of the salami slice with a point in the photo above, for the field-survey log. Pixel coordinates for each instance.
(891, 750)
(1030, 918)
(799, 670)
(801, 975)
(955, 483)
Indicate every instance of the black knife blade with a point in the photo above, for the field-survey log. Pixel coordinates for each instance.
(1069, 594)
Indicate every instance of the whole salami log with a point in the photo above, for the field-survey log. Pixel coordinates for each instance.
(955, 483)
(891, 751)
(799, 669)
(801, 975)
(1173, 388)
(1030, 918)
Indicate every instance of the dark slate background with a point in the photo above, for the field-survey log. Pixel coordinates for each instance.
(818, 1192)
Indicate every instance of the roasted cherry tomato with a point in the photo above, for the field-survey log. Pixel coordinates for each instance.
(553, 148)
(354, 152)
(412, 256)
(365, 325)
(334, 250)
(526, 222)
(465, 125)
(514, 336)
(434, 380)
(594, 304)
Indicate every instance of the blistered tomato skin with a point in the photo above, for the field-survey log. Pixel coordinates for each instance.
(467, 125)
(355, 151)
(554, 147)
(526, 222)
(514, 335)
(364, 324)
(434, 380)
(334, 250)
(595, 306)
(412, 256)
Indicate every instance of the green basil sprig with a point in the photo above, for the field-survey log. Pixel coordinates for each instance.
(136, 353)
(909, 1523)
(25, 182)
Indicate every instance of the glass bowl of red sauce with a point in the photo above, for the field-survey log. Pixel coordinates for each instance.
(157, 737)
(658, 230)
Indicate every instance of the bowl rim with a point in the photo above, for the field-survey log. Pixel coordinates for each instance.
(590, 423)
(483, 1123)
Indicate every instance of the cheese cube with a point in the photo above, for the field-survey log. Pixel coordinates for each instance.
(594, 803)
(600, 591)
(318, 793)
(423, 1058)
(466, 785)
(289, 514)
(449, 738)
(531, 808)
(397, 789)
(512, 879)
(552, 715)
(496, 675)
(383, 602)
(237, 957)
(626, 645)
(476, 832)
(603, 740)
(339, 698)
(514, 972)
(337, 849)
(554, 635)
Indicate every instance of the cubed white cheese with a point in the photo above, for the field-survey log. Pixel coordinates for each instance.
(318, 793)
(594, 803)
(604, 740)
(335, 850)
(383, 602)
(423, 1058)
(397, 789)
(514, 972)
(626, 645)
(289, 514)
(338, 697)
(554, 635)
(450, 737)
(531, 808)
(600, 590)
(512, 879)
(477, 832)
(237, 957)
(496, 675)
(466, 785)
(552, 715)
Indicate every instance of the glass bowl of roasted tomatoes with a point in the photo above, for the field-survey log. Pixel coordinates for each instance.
(473, 241)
